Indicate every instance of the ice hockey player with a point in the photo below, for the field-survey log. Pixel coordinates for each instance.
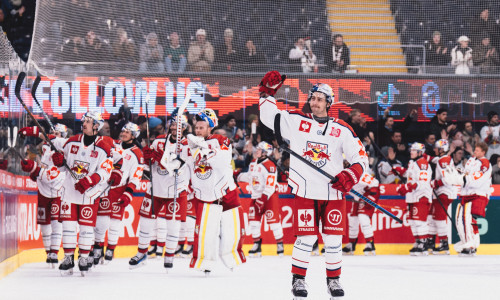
(49, 181)
(446, 188)
(474, 199)
(89, 158)
(162, 191)
(218, 213)
(361, 215)
(262, 181)
(112, 206)
(321, 140)
(418, 195)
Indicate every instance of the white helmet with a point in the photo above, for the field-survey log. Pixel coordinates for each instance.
(442, 144)
(96, 116)
(322, 88)
(417, 147)
(266, 148)
(208, 115)
(133, 128)
(61, 128)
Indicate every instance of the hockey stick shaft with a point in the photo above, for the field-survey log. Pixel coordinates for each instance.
(33, 94)
(150, 164)
(19, 83)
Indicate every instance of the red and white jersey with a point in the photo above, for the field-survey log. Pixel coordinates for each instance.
(419, 172)
(320, 144)
(366, 181)
(477, 177)
(385, 170)
(451, 191)
(261, 178)
(85, 161)
(490, 134)
(51, 179)
(132, 167)
(212, 175)
(163, 182)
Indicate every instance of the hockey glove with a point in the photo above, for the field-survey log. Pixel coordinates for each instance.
(125, 199)
(147, 153)
(157, 155)
(58, 159)
(270, 83)
(115, 178)
(345, 180)
(196, 142)
(404, 189)
(259, 204)
(87, 182)
(29, 131)
(399, 171)
(4, 164)
(436, 184)
(174, 165)
(28, 165)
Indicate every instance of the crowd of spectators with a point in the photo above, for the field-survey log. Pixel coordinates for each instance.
(17, 19)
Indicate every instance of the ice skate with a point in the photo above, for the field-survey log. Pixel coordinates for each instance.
(48, 259)
(159, 252)
(83, 265)
(420, 249)
(52, 260)
(413, 250)
(315, 249)
(443, 248)
(108, 256)
(349, 249)
(468, 252)
(430, 244)
(179, 249)
(323, 250)
(137, 261)
(335, 290)
(299, 288)
(67, 265)
(152, 250)
(207, 273)
(256, 250)
(168, 263)
(97, 254)
(187, 251)
(90, 262)
(280, 249)
(369, 249)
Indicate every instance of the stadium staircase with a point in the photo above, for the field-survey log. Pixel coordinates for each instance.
(369, 31)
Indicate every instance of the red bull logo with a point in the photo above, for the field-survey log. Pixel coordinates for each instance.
(203, 171)
(316, 153)
(80, 169)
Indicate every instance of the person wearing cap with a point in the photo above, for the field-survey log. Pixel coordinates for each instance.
(200, 53)
(439, 125)
(490, 134)
(437, 52)
(151, 55)
(227, 54)
(461, 56)
(485, 55)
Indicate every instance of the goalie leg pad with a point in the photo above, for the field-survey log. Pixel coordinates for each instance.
(207, 231)
(230, 236)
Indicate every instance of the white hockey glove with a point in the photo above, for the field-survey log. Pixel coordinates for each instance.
(452, 177)
(167, 158)
(174, 165)
(196, 142)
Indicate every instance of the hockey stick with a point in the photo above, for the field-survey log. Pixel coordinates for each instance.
(150, 164)
(19, 83)
(283, 146)
(33, 94)
(11, 142)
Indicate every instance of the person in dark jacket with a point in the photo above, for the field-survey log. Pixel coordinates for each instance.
(437, 52)
(439, 124)
(337, 57)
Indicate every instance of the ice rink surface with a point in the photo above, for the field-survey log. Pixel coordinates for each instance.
(378, 277)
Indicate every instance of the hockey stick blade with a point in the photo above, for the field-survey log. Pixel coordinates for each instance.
(33, 95)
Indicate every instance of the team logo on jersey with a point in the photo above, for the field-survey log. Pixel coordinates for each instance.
(171, 207)
(203, 170)
(52, 173)
(65, 207)
(306, 217)
(86, 212)
(255, 181)
(161, 170)
(74, 149)
(80, 169)
(316, 153)
(305, 126)
(335, 217)
(54, 209)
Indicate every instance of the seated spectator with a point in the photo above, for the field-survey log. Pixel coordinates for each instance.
(74, 51)
(461, 56)
(490, 134)
(437, 52)
(385, 167)
(151, 55)
(95, 49)
(175, 55)
(430, 140)
(401, 149)
(495, 168)
(439, 125)
(485, 56)
(251, 57)
(302, 53)
(123, 47)
(200, 53)
(232, 132)
(337, 57)
(485, 25)
(469, 135)
(227, 54)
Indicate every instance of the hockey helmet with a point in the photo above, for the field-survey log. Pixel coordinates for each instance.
(208, 115)
(442, 144)
(322, 88)
(61, 128)
(419, 147)
(133, 128)
(96, 117)
(266, 148)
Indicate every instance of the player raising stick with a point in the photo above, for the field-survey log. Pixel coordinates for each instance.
(321, 140)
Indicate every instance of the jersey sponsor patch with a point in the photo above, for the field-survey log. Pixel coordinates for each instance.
(74, 149)
(316, 153)
(171, 207)
(87, 212)
(305, 126)
(54, 209)
(335, 217)
(41, 213)
(306, 217)
(335, 132)
(93, 154)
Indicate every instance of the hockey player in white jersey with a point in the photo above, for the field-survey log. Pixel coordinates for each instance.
(89, 158)
(446, 188)
(474, 199)
(218, 213)
(418, 195)
(163, 187)
(322, 141)
(49, 182)
(262, 179)
(112, 205)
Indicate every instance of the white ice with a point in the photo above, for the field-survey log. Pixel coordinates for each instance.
(378, 277)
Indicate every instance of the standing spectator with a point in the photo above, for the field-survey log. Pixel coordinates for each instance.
(495, 168)
(200, 53)
(74, 51)
(226, 55)
(355, 120)
(251, 58)
(123, 47)
(385, 128)
(401, 149)
(461, 56)
(490, 134)
(232, 132)
(95, 50)
(430, 140)
(469, 135)
(485, 56)
(151, 55)
(437, 52)
(485, 25)
(303, 53)
(337, 57)
(175, 55)
(439, 125)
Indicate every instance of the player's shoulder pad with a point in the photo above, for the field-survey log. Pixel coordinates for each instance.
(344, 124)
(422, 163)
(300, 113)
(161, 136)
(485, 164)
(184, 142)
(269, 165)
(223, 141)
(444, 161)
(137, 151)
(105, 143)
(75, 138)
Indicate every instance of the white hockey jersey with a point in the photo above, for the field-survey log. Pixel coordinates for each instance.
(261, 178)
(419, 172)
(366, 181)
(132, 167)
(320, 144)
(386, 173)
(163, 182)
(477, 177)
(451, 191)
(84, 161)
(50, 180)
(212, 176)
